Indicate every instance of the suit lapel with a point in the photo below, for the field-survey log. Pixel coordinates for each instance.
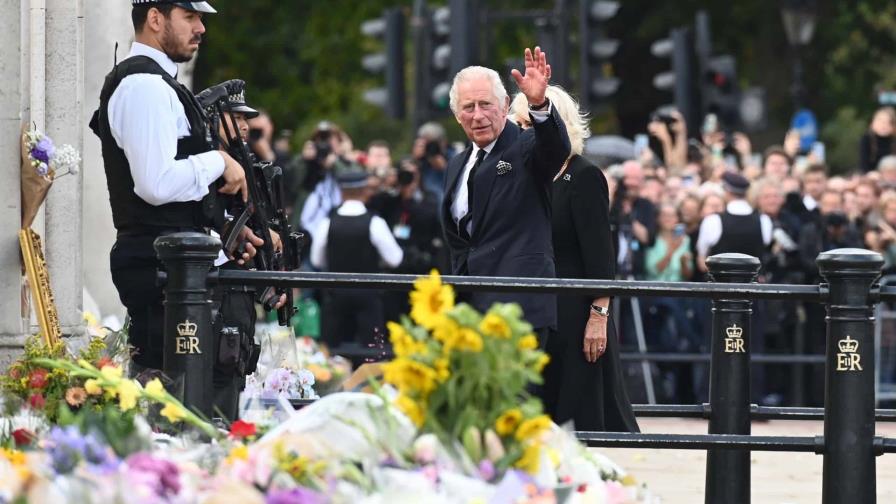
(487, 172)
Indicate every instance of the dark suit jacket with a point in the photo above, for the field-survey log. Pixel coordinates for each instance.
(511, 228)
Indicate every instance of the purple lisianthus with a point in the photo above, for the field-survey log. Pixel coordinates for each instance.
(298, 495)
(161, 475)
(66, 447)
(44, 150)
(487, 470)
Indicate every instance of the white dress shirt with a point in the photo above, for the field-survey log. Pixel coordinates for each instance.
(146, 120)
(711, 227)
(323, 199)
(380, 236)
(810, 203)
(461, 203)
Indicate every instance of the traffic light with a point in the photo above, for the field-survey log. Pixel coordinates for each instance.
(721, 94)
(596, 73)
(440, 60)
(390, 63)
(680, 79)
(446, 41)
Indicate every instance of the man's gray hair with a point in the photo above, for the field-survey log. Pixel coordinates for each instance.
(473, 73)
(431, 131)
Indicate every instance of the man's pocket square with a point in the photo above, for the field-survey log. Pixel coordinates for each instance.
(504, 167)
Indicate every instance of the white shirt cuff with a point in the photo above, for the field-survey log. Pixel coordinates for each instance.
(540, 116)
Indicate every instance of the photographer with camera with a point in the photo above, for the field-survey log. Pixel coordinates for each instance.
(668, 126)
(323, 160)
(632, 220)
(431, 153)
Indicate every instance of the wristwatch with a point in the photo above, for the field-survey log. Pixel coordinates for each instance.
(603, 311)
(542, 107)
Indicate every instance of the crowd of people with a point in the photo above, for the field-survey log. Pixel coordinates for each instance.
(661, 198)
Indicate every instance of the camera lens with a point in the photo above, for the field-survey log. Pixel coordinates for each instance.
(405, 177)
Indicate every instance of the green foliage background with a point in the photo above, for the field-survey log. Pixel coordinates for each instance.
(302, 61)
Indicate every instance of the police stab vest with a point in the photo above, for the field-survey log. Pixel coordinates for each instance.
(129, 211)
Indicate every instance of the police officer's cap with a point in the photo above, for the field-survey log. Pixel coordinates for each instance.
(735, 183)
(237, 103)
(193, 6)
(352, 180)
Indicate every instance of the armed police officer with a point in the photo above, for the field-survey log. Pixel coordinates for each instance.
(234, 321)
(159, 161)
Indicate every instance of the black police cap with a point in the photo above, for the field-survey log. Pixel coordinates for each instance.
(193, 6)
(352, 180)
(735, 183)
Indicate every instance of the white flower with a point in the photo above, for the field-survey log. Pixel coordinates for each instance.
(66, 160)
(425, 448)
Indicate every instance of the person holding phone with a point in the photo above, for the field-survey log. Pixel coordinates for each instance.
(666, 321)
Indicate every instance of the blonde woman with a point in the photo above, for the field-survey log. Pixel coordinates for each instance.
(584, 380)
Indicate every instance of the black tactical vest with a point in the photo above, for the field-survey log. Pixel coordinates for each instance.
(129, 211)
(349, 249)
(741, 234)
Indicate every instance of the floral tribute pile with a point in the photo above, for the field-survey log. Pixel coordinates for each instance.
(451, 421)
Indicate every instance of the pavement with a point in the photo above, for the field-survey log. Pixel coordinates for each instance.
(678, 476)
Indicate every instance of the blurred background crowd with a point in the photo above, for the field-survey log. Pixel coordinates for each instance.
(661, 192)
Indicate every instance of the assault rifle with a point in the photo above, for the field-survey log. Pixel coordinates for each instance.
(263, 212)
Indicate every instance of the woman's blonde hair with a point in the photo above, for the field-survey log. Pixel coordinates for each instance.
(567, 108)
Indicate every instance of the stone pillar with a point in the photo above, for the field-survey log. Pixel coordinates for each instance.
(64, 95)
(105, 24)
(11, 106)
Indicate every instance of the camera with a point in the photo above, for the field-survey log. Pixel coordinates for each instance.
(664, 115)
(433, 148)
(405, 177)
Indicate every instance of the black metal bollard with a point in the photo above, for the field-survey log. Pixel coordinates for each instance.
(728, 471)
(188, 339)
(849, 473)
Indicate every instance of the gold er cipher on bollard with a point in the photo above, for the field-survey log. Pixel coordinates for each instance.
(39, 283)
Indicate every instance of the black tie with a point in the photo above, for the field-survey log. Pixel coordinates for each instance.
(462, 223)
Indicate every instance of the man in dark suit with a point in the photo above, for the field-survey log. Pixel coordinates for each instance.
(497, 211)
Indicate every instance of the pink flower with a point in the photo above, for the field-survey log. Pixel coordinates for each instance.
(38, 378)
(37, 401)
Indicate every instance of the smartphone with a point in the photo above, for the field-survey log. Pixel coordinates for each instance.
(679, 230)
(641, 144)
(818, 151)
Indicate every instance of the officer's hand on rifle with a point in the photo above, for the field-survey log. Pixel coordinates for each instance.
(250, 242)
(275, 240)
(234, 177)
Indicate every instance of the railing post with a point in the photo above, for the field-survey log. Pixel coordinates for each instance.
(728, 471)
(188, 340)
(849, 473)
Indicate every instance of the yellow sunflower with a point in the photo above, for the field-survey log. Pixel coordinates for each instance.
(528, 342)
(403, 344)
(430, 300)
(407, 374)
(494, 325)
(506, 424)
(411, 408)
(531, 459)
(533, 427)
(468, 340)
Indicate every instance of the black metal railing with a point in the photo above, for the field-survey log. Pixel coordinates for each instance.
(848, 446)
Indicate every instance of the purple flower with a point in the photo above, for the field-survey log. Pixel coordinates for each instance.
(163, 475)
(298, 495)
(44, 150)
(486, 470)
(66, 448)
(43, 169)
